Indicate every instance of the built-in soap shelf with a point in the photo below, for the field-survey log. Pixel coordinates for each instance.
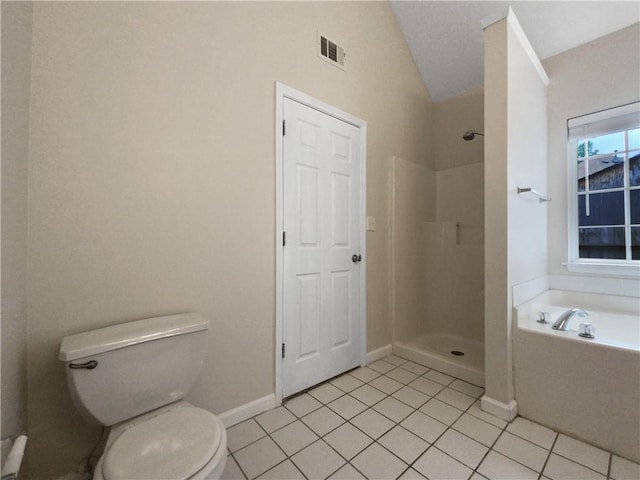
(450, 232)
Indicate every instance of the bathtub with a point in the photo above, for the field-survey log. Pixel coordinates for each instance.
(587, 388)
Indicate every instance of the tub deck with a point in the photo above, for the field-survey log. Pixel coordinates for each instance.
(589, 389)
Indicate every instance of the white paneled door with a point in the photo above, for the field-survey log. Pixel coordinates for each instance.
(321, 251)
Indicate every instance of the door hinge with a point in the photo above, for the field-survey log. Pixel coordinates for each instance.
(284, 238)
(283, 350)
(284, 127)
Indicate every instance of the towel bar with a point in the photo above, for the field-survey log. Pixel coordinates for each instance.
(540, 196)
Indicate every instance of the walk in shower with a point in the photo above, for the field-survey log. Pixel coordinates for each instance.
(451, 335)
(437, 251)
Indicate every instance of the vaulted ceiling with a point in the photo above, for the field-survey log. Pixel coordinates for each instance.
(446, 39)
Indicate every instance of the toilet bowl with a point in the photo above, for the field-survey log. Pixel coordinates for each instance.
(181, 442)
(132, 377)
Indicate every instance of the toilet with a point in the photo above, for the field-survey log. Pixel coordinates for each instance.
(133, 378)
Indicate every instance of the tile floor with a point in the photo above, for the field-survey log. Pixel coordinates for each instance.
(395, 419)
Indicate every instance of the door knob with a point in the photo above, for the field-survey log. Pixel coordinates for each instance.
(356, 258)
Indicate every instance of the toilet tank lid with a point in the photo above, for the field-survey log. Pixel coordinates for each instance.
(119, 336)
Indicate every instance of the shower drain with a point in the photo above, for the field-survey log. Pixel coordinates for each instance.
(457, 353)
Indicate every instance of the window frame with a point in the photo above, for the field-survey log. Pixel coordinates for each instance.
(575, 264)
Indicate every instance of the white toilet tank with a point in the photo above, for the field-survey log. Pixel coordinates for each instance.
(119, 372)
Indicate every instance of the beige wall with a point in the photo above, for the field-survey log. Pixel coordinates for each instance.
(413, 202)
(451, 118)
(515, 226)
(578, 88)
(152, 185)
(16, 64)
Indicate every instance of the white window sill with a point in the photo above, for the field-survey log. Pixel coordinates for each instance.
(629, 268)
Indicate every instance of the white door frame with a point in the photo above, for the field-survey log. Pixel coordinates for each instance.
(282, 92)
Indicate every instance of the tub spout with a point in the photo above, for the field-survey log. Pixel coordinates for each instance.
(563, 320)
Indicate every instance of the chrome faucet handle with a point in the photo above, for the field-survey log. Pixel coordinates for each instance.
(542, 317)
(586, 330)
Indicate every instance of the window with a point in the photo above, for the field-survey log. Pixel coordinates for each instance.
(604, 186)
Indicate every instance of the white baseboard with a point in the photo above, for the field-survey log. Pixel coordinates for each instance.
(378, 353)
(498, 409)
(248, 410)
(251, 409)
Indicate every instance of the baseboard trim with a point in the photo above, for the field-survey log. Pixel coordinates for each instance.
(378, 353)
(251, 409)
(505, 411)
(248, 410)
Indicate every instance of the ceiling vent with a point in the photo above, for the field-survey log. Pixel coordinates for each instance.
(331, 52)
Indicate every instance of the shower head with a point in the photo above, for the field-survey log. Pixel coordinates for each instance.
(470, 135)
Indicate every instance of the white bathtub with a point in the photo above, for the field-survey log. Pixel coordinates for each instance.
(589, 389)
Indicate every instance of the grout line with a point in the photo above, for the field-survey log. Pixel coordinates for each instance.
(238, 464)
(449, 427)
(544, 465)
(356, 468)
(250, 443)
(432, 444)
(280, 463)
(328, 432)
(374, 440)
(527, 441)
(577, 462)
(300, 469)
(513, 459)
(394, 424)
(502, 430)
(572, 460)
(308, 413)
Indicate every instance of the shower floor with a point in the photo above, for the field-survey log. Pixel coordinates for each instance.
(442, 351)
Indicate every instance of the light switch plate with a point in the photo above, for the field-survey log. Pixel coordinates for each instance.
(371, 224)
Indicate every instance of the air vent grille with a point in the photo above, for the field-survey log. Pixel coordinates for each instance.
(331, 52)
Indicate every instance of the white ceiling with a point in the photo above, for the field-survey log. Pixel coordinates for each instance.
(446, 39)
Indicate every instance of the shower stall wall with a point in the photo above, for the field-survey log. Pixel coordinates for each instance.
(451, 339)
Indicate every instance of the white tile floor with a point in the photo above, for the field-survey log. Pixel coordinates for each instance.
(397, 419)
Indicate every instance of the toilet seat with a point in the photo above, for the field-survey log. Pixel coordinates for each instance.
(176, 444)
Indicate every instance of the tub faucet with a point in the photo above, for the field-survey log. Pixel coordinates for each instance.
(563, 320)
